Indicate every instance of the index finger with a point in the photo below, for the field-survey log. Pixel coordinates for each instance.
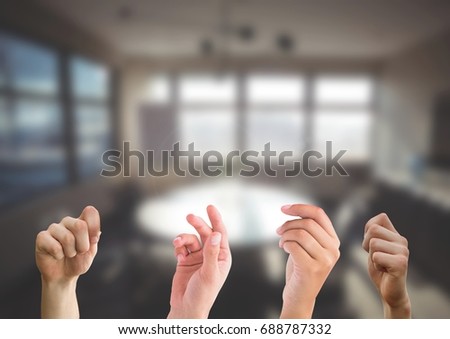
(311, 212)
(218, 224)
(91, 216)
(200, 226)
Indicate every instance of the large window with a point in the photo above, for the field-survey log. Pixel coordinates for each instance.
(35, 137)
(274, 112)
(32, 155)
(343, 114)
(207, 111)
(91, 108)
(291, 111)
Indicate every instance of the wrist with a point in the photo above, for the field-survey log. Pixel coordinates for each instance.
(399, 310)
(61, 284)
(181, 314)
(59, 299)
(301, 309)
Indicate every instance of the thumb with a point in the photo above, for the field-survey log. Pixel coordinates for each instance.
(91, 216)
(211, 251)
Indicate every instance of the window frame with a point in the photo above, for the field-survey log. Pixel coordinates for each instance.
(308, 107)
(62, 98)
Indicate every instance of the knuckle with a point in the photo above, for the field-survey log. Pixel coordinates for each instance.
(319, 210)
(375, 256)
(328, 261)
(286, 224)
(404, 241)
(373, 231)
(65, 220)
(337, 254)
(52, 226)
(40, 236)
(403, 262)
(373, 243)
(307, 223)
(55, 249)
(383, 216)
(303, 235)
(68, 238)
(405, 251)
(79, 226)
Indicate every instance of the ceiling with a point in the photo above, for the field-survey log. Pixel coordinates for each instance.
(320, 28)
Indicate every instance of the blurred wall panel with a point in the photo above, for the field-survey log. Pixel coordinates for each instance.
(409, 85)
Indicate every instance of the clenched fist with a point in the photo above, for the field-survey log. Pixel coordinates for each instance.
(388, 265)
(313, 248)
(65, 251)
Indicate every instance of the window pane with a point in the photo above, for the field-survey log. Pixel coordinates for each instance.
(93, 132)
(343, 90)
(348, 131)
(32, 67)
(38, 128)
(283, 129)
(275, 89)
(36, 156)
(157, 89)
(89, 79)
(208, 129)
(2, 60)
(207, 88)
(5, 126)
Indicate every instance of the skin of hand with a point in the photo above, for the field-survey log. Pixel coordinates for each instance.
(313, 248)
(202, 268)
(64, 252)
(388, 265)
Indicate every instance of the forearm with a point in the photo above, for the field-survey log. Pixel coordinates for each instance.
(59, 300)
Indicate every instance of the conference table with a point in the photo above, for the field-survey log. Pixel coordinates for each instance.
(251, 211)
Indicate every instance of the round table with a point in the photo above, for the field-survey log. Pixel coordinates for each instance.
(251, 211)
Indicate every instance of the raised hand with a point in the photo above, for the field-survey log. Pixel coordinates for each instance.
(313, 248)
(203, 266)
(388, 265)
(65, 251)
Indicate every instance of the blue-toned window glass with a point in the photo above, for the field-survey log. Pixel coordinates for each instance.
(32, 150)
(2, 62)
(90, 80)
(93, 137)
(32, 68)
(5, 126)
(37, 142)
(92, 114)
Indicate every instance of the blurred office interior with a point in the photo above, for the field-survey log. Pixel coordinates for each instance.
(79, 77)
